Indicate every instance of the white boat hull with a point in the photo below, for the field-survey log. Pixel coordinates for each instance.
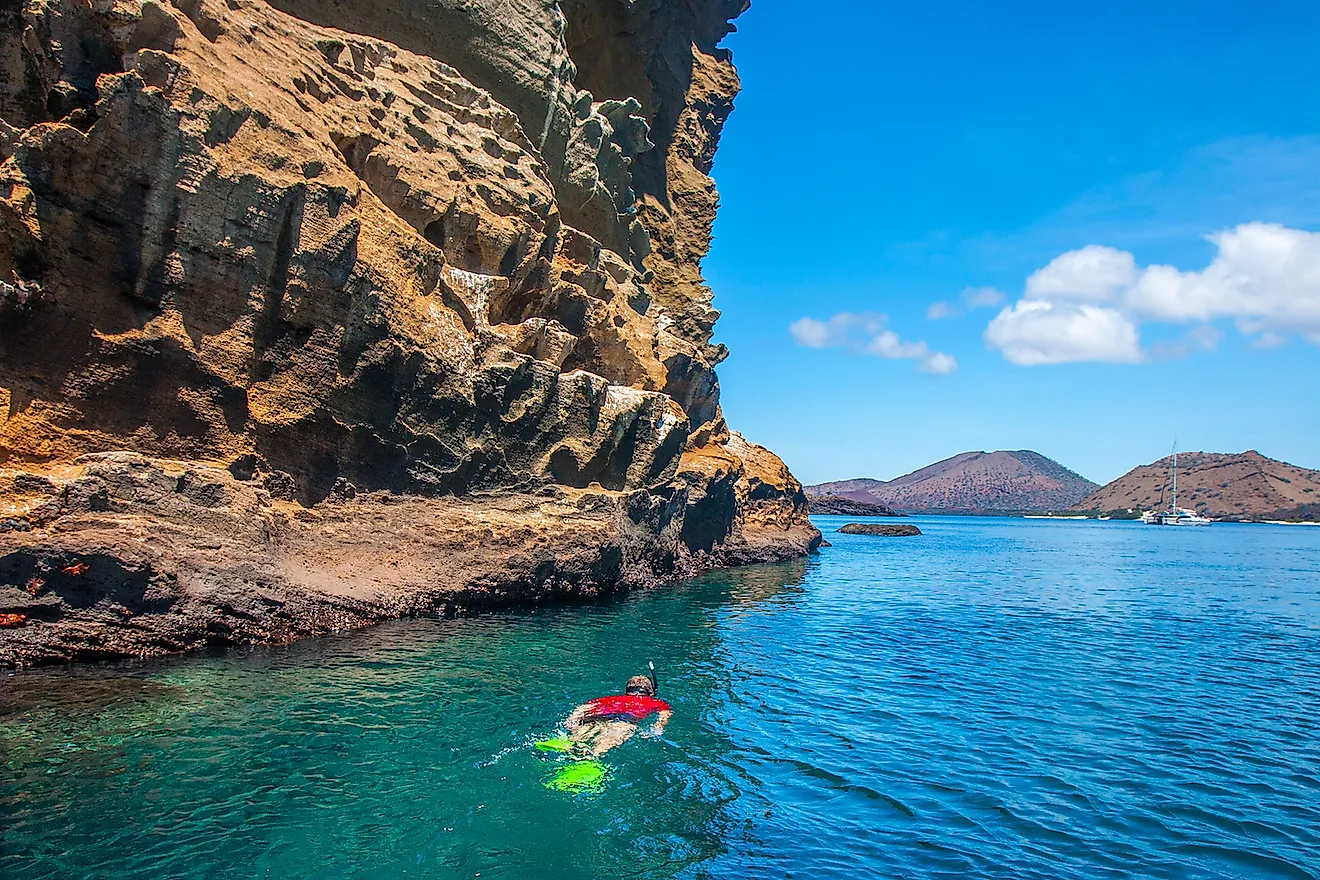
(1183, 517)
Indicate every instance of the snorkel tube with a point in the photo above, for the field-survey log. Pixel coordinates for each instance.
(655, 683)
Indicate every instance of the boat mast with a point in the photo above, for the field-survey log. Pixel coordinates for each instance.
(1175, 476)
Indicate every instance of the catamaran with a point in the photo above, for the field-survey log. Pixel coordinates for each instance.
(1175, 515)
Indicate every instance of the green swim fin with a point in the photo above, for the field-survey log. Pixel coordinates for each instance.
(579, 776)
(556, 744)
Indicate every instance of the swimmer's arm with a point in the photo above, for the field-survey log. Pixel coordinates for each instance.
(661, 719)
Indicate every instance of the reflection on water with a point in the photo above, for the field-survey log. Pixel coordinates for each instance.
(999, 698)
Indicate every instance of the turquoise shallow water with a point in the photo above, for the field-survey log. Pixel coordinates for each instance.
(996, 699)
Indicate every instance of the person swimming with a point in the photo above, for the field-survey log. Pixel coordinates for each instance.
(604, 723)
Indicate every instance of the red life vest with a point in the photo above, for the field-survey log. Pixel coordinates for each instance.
(626, 707)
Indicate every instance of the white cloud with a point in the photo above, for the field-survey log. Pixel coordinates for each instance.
(1092, 274)
(938, 364)
(1087, 305)
(887, 344)
(810, 332)
(938, 311)
(1035, 332)
(1263, 271)
(868, 334)
(839, 331)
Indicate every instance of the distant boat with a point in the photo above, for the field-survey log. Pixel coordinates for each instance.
(1175, 515)
(1183, 517)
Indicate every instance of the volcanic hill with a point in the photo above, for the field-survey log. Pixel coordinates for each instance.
(1246, 486)
(318, 313)
(972, 482)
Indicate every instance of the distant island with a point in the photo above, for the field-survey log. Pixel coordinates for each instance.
(1246, 486)
(1000, 482)
(838, 505)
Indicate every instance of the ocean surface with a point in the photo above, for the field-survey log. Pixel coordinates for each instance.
(999, 698)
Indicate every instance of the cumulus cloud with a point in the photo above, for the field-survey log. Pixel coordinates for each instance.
(1088, 304)
(1035, 332)
(1263, 272)
(1092, 274)
(971, 298)
(813, 333)
(869, 334)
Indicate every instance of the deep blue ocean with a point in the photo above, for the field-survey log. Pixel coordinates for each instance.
(998, 698)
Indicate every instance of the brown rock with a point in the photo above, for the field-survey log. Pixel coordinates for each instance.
(301, 254)
(880, 530)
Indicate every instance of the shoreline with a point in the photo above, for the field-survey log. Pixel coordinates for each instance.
(1079, 517)
(148, 558)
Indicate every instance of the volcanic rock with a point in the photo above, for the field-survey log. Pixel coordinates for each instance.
(317, 313)
(880, 530)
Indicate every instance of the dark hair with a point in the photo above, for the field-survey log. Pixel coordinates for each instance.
(639, 685)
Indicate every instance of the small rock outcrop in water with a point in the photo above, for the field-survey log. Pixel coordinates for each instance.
(836, 505)
(881, 530)
(398, 307)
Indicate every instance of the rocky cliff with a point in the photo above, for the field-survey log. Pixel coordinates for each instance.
(314, 313)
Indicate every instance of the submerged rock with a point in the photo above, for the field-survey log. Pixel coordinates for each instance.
(881, 530)
(304, 257)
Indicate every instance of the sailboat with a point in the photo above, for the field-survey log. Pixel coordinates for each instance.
(1175, 515)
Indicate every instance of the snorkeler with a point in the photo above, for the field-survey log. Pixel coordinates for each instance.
(599, 725)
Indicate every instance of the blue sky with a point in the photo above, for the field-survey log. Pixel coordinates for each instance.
(890, 170)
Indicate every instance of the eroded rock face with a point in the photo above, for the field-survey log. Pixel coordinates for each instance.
(426, 249)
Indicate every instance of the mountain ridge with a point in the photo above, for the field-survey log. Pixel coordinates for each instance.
(1004, 481)
(1237, 486)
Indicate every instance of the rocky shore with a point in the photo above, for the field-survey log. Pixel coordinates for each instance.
(318, 314)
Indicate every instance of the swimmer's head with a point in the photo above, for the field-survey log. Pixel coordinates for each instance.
(639, 685)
